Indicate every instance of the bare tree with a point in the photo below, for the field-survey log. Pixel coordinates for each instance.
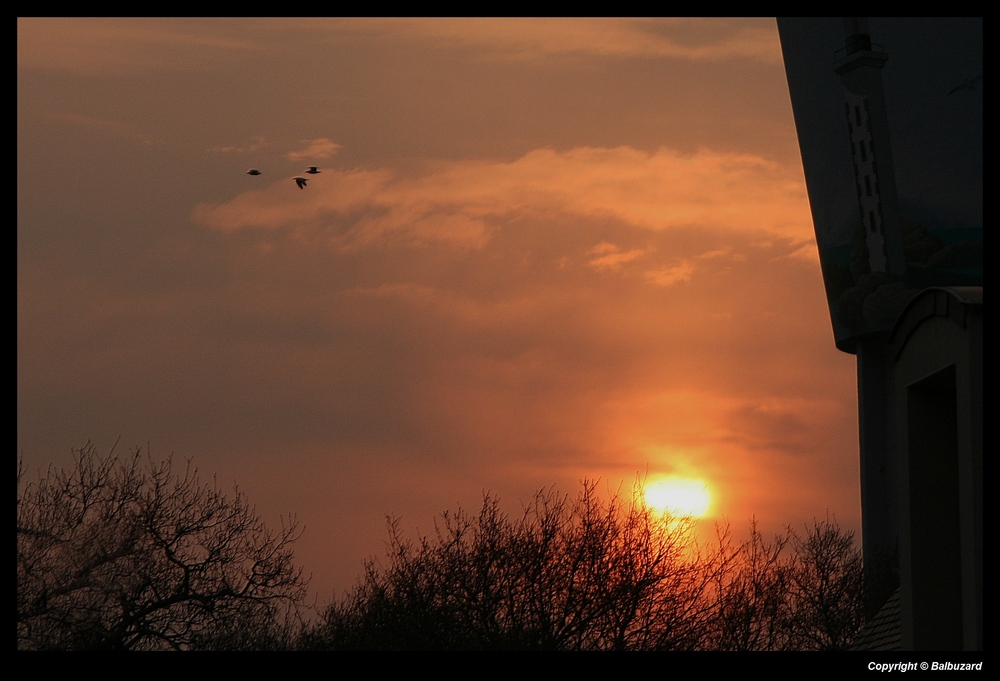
(569, 574)
(583, 574)
(826, 588)
(752, 611)
(126, 553)
(790, 593)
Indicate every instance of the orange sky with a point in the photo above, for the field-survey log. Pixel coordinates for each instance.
(538, 250)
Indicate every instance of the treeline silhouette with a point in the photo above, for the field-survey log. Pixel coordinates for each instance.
(129, 554)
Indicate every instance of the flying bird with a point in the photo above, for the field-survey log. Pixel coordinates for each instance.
(253, 171)
(301, 181)
(312, 170)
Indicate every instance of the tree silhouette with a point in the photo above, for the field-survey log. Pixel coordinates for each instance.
(752, 611)
(583, 574)
(826, 588)
(128, 554)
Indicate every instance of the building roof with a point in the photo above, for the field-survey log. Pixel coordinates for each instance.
(884, 631)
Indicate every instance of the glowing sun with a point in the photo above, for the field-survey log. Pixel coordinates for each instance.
(686, 497)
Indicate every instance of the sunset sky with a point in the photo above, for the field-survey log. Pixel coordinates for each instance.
(538, 251)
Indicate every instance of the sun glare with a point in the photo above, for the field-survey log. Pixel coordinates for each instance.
(686, 497)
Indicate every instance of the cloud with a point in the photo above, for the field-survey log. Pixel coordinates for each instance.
(118, 45)
(668, 276)
(130, 45)
(532, 38)
(610, 257)
(456, 202)
(315, 149)
(252, 147)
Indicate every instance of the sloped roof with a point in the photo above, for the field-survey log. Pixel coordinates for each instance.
(884, 631)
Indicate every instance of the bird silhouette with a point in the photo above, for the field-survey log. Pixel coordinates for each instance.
(253, 171)
(301, 181)
(312, 170)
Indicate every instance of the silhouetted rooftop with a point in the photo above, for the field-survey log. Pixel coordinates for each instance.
(884, 631)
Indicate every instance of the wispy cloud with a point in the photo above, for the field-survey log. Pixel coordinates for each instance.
(687, 38)
(93, 45)
(115, 45)
(668, 276)
(611, 257)
(455, 202)
(248, 148)
(321, 148)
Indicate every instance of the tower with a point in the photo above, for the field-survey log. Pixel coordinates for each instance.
(868, 130)
(893, 167)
